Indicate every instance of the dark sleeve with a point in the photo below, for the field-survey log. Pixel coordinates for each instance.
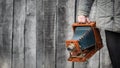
(84, 7)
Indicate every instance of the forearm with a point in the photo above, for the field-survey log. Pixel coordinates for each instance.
(84, 7)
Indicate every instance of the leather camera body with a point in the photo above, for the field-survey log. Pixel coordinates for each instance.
(85, 43)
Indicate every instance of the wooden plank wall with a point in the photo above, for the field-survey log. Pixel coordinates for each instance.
(33, 34)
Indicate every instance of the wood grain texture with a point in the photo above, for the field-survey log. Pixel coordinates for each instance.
(18, 34)
(40, 34)
(65, 18)
(6, 19)
(49, 29)
(30, 34)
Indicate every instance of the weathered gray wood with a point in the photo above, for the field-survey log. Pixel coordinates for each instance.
(40, 34)
(65, 18)
(6, 19)
(18, 34)
(30, 34)
(49, 26)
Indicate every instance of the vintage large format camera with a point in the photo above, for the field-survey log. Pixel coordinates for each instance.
(85, 43)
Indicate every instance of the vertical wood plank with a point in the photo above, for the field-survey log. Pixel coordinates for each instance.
(30, 34)
(65, 18)
(40, 36)
(49, 26)
(18, 34)
(6, 19)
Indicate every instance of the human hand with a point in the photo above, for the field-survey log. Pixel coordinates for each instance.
(83, 19)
